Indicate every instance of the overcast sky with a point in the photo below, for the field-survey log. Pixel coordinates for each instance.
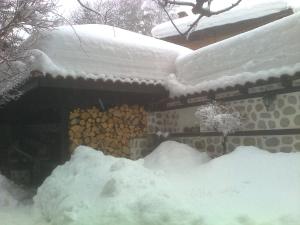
(69, 5)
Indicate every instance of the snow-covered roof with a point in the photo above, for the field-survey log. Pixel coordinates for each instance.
(269, 51)
(106, 53)
(240, 13)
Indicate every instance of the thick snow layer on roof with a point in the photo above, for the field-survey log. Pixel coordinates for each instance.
(104, 52)
(269, 51)
(240, 13)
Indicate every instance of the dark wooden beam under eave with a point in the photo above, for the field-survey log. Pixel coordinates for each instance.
(25, 87)
(89, 84)
(31, 84)
(293, 131)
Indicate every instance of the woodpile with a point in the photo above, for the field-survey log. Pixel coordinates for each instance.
(108, 131)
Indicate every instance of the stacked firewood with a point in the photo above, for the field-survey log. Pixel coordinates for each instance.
(108, 131)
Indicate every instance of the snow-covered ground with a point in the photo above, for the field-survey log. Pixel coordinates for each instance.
(174, 185)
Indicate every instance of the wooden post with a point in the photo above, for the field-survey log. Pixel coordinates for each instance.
(64, 152)
(64, 106)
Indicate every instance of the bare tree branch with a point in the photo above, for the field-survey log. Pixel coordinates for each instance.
(208, 13)
(19, 19)
(198, 8)
(189, 29)
(126, 14)
(179, 3)
(74, 30)
(88, 8)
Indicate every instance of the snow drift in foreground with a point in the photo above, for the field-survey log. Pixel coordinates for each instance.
(174, 185)
(10, 193)
(15, 207)
(248, 186)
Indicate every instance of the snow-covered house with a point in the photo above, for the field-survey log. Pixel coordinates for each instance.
(216, 28)
(79, 67)
(255, 73)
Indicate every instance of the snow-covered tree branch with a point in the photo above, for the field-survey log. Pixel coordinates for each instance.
(218, 118)
(18, 20)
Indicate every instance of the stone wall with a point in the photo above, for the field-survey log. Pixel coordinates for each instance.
(270, 113)
(140, 147)
(283, 113)
(271, 143)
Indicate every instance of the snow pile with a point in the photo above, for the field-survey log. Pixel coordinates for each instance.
(16, 205)
(269, 51)
(96, 189)
(10, 193)
(248, 9)
(21, 215)
(104, 52)
(248, 186)
(173, 157)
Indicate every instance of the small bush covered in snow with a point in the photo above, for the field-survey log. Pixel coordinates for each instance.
(218, 118)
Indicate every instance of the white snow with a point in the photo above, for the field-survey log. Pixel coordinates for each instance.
(104, 52)
(175, 157)
(174, 185)
(10, 193)
(242, 12)
(15, 204)
(269, 51)
(109, 53)
(295, 4)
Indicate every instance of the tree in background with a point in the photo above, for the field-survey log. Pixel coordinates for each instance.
(200, 7)
(130, 15)
(218, 118)
(18, 20)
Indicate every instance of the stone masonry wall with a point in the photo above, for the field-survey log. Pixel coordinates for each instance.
(271, 143)
(140, 147)
(282, 113)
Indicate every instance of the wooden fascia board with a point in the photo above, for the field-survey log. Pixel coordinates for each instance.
(83, 84)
